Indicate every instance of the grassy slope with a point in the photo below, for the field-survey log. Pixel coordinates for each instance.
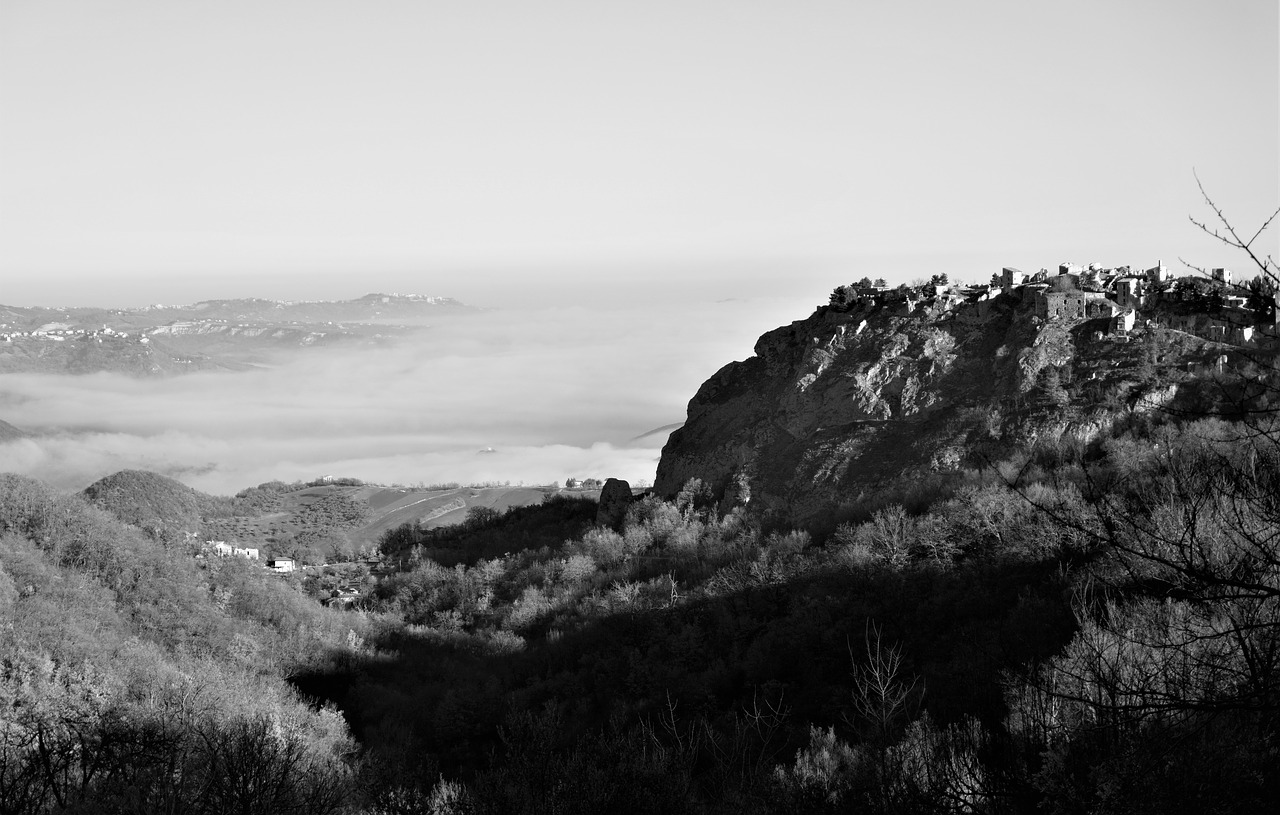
(306, 513)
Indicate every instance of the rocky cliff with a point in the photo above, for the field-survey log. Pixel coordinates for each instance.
(897, 385)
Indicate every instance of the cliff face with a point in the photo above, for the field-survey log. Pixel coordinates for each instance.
(838, 404)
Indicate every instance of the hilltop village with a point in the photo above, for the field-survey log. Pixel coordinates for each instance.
(1212, 307)
(61, 332)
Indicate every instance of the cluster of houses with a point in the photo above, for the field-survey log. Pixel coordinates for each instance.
(1118, 295)
(344, 590)
(280, 565)
(1090, 292)
(61, 332)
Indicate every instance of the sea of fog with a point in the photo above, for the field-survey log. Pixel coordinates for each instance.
(513, 395)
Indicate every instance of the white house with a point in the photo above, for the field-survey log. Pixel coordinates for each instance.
(224, 549)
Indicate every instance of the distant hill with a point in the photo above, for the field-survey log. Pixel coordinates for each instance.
(371, 308)
(314, 521)
(93, 353)
(10, 433)
(493, 534)
(159, 505)
(162, 340)
(318, 521)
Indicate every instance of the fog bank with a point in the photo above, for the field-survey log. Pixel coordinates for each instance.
(527, 396)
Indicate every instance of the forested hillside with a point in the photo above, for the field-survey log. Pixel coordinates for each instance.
(136, 677)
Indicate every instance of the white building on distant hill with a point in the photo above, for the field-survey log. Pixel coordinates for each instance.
(224, 549)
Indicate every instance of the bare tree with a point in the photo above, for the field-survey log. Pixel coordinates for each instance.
(883, 695)
(1226, 233)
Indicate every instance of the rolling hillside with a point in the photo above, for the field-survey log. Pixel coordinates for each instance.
(318, 521)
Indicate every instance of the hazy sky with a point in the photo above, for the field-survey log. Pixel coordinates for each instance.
(506, 151)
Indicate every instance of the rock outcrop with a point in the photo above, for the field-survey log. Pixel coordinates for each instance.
(834, 406)
(615, 498)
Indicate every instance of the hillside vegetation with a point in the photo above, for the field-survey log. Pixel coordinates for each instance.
(164, 508)
(135, 677)
(1073, 631)
(326, 520)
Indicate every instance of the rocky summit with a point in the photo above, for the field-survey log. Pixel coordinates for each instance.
(885, 386)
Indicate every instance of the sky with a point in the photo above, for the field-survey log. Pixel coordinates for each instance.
(621, 156)
(283, 148)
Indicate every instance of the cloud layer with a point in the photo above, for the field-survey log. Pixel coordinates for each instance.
(555, 393)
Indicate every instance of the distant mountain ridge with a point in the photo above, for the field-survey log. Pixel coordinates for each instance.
(374, 307)
(162, 340)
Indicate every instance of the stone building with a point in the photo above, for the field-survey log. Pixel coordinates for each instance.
(1074, 305)
(1129, 292)
(1011, 278)
(1159, 273)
